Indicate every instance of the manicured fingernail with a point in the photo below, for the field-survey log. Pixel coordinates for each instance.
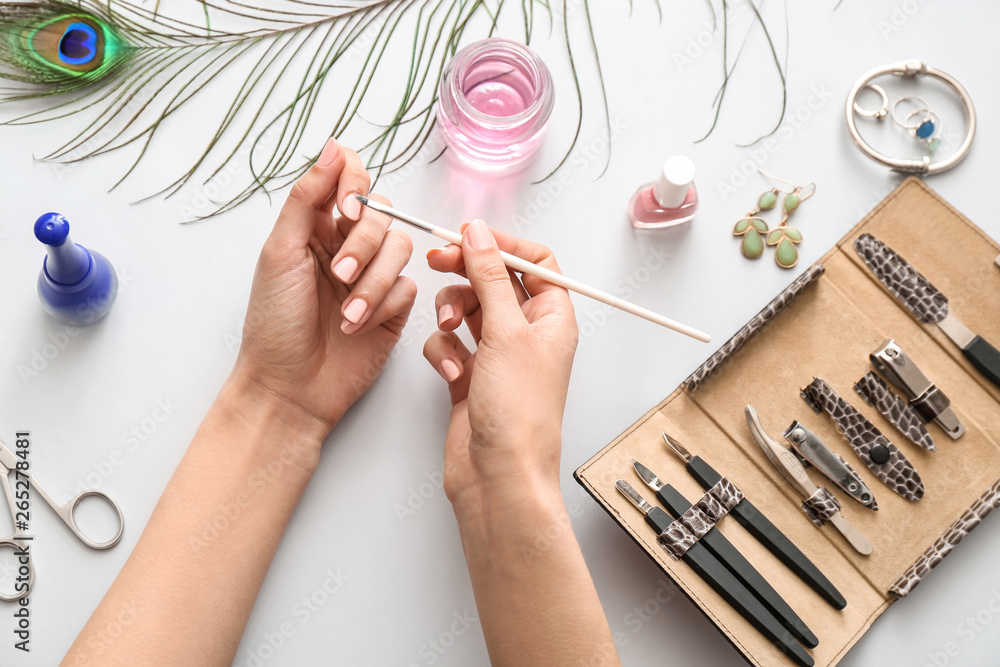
(349, 327)
(345, 269)
(432, 252)
(479, 235)
(330, 153)
(352, 207)
(450, 370)
(445, 314)
(355, 310)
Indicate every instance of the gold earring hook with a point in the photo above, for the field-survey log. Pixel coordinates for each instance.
(795, 188)
(775, 178)
(803, 197)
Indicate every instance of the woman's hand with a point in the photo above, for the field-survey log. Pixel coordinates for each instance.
(326, 307)
(501, 457)
(508, 397)
(327, 303)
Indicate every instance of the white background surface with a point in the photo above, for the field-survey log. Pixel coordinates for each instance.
(171, 338)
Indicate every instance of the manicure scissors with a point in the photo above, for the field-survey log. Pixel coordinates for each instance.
(20, 541)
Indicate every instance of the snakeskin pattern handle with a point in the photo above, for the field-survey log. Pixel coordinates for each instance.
(905, 282)
(895, 470)
(878, 395)
(691, 526)
(820, 506)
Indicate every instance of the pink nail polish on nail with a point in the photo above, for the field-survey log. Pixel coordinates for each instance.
(445, 314)
(479, 235)
(355, 310)
(349, 327)
(345, 269)
(450, 370)
(352, 207)
(329, 154)
(669, 200)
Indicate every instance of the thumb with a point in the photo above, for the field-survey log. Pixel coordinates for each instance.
(489, 278)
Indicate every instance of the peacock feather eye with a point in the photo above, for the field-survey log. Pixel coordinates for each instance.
(77, 43)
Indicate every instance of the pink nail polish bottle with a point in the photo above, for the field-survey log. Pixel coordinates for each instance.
(669, 200)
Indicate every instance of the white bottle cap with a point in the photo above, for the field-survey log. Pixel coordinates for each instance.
(672, 186)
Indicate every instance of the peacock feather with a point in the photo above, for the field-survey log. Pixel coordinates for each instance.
(58, 46)
(296, 69)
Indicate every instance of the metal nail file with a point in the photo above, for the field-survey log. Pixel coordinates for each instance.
(728, 554)
(836, 469)
(761, 527)
(723, 582)
(793, 472)
(927, 303)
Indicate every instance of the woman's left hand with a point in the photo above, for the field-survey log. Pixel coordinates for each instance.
(328, 302)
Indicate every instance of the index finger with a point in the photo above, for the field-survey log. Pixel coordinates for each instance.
(449, 259)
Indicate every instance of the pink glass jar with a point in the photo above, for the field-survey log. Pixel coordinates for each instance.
(495, 100)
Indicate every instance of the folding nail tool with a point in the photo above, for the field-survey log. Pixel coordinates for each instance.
(923, 395)
(810, 448)
(820, 505)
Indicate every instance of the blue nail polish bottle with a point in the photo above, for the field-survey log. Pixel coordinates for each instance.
(75, 285)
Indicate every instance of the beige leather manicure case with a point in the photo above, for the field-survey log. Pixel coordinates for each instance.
(827, 323)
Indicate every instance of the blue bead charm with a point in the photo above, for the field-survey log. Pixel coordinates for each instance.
(925, 130)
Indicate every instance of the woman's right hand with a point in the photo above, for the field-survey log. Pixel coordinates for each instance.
(505, 434)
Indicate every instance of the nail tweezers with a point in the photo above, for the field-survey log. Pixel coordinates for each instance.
(730, 556)
(761, 527)
(723, 581)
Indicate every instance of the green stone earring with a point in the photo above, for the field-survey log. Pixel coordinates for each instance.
(786, 255)
(751, 228)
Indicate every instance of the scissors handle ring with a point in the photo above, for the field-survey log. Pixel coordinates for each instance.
(66, 513)
(11, 597)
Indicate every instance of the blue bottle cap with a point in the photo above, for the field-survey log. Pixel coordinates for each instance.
(52, 229)
(67, 263)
